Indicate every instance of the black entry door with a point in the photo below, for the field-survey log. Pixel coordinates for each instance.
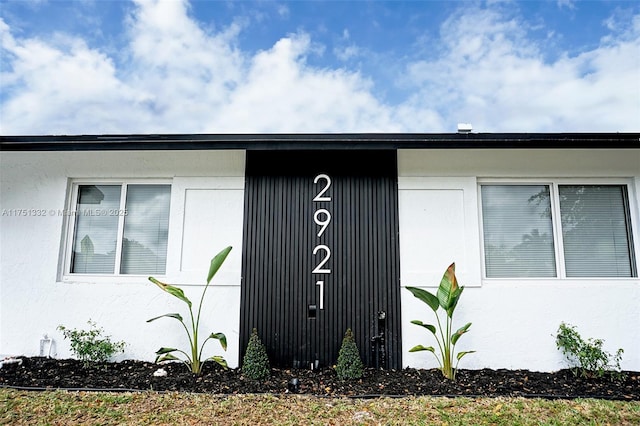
(320, 255)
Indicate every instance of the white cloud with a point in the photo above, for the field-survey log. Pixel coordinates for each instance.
(187, 72)
(346, 52)
(491, 75)
(179, 78)
(283, 11)
(56, 85)
(569, 4)
(281, 93)
(176, 76)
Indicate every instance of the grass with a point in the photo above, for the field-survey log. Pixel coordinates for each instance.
(61, 408)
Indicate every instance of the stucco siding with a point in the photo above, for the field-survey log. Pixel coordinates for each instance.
(514, 320)
(37, 296)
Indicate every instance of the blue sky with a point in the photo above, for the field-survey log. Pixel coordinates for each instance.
(178, 66)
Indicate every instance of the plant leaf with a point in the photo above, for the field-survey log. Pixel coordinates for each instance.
(463, 353)
(176, 316)
(447, 288)
(425, 296)
(429, 327)
(162, 351)
(460, 332)
(172, 290)
(422, 348)
(167, 357)
(454, 302)
(218, 359)
(216, 262)
(221, 337)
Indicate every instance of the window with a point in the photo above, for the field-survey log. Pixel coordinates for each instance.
(518, 234)
(521, 237)
(596, 231)
(119, 229)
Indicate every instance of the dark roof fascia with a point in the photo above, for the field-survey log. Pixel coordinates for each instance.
(322, 141)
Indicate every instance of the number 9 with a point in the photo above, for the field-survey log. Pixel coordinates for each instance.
(322, 223)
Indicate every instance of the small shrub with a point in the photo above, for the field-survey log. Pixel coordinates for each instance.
(255, 364)
(349, 364)
(587, 357)
(90, 345)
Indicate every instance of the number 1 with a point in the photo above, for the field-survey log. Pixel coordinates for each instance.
(321, 285)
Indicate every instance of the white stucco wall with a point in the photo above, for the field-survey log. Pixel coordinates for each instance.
(514, 321)
(37, 297)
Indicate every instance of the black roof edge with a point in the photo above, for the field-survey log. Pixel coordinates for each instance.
(321, 141)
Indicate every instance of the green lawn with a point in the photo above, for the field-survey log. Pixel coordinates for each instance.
(60, 407)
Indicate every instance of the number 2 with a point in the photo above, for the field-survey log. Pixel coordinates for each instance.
(318, 269)
(320, 196)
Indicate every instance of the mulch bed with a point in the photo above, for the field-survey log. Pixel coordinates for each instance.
(40, 372)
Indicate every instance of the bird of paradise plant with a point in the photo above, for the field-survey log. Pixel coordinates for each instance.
(446, 298)
(194, 360)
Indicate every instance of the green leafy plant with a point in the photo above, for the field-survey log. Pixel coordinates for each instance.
(90, 345)
(255, 364)
(587, 357)
(349, 364)
(193, 359)
(447, 298)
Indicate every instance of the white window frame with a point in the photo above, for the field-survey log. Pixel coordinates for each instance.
(69, 232)
(554, 184)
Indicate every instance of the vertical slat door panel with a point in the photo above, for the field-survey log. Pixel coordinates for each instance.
(279, 286)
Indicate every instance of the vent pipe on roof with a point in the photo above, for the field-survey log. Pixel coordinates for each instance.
(464, 127)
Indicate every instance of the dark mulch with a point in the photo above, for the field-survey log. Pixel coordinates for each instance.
(136, 375)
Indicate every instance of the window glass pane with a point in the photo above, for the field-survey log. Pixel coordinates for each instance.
(518, 233)
(146, 227)
(595, 230)
(94, 243)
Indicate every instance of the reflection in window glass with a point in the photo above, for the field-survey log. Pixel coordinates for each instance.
(595, 230)
(146, 228)
(518, 231)
(96, 230)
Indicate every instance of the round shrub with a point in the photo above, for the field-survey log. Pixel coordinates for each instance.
(349, 362)
(255, 364)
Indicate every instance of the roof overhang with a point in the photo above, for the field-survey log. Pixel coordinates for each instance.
(321, 141)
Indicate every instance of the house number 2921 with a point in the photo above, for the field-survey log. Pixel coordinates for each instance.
(322, 218)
